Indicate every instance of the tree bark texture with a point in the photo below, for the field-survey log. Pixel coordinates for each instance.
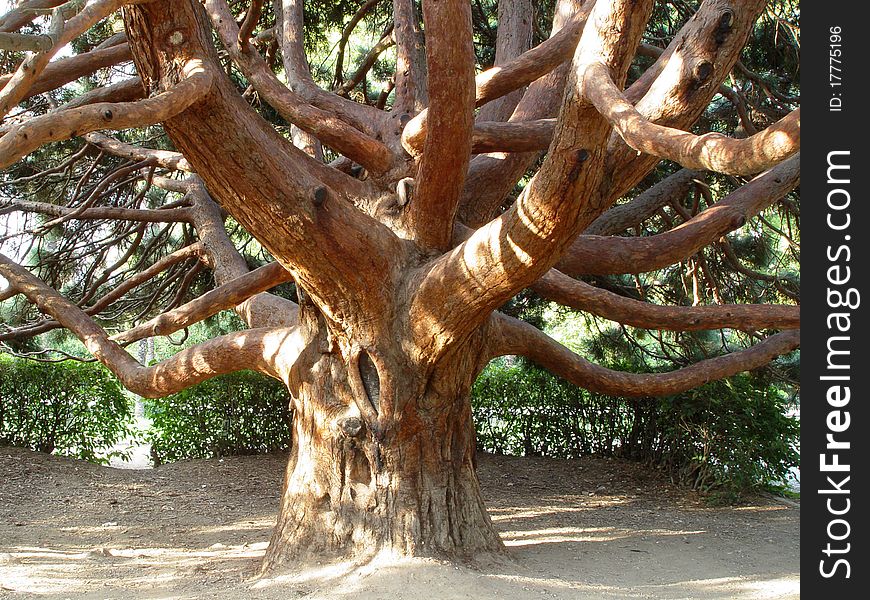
(387, 465)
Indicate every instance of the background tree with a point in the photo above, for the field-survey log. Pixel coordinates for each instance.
(404, 216)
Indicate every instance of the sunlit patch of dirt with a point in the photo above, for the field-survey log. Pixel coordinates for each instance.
(590, 529)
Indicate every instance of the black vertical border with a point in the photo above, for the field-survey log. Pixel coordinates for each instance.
(828, 131)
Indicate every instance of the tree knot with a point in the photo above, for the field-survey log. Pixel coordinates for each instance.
(350, 427)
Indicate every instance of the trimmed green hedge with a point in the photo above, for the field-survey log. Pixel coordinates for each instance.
(72, 409)
(727, 437)
(239, 413)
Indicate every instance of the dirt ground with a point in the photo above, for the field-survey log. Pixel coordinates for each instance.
(590, 529)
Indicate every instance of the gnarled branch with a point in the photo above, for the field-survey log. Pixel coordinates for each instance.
(578, 295)
(519, 338)
(593, 255)
(52, 127)
(711, 151)
(255, 349)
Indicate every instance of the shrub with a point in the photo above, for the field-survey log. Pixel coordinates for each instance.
(727, 437)
(522, 409)
(240, 413)
(68, 408)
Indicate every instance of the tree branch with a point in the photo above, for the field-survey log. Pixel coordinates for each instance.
(20, 42)
(621, 217)
(463, 286)
(447, 149)
(269, 350)
(593, 255)
(711, 151)
(290, 24)
(52, 127)
(346, 32)
(410, 78)
(25, 12)
(127, 90)
(331, 248)
(492, 177)
(174, 161)
(328, 128)
(519, 338)
(676, 90)
(513, 136)
(128, 285)
(367, 63)
(142, 215)
(501, 80)
(227, 296)
(514, 37)
(63, 30)
(578, 295)
(68, 69)
(250, 21)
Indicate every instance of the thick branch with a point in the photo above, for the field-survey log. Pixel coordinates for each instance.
(20, 42)
(509, 253)
(676, 90)
(513, 136)
(593, 255)
(522, 339)
(291, 35)
(63, 71)
(578, 295)
(491, 177)
(61, 34)
(270, 350)
(514, 37)
(410, 77)
(712, 151)
(250, 21)
(295, 206)
(62, 125)
(447, 149)
(501, 80)
(127, 90)
(25, 12)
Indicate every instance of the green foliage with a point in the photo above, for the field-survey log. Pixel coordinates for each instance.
(520, 408)
(729, 436)
(72, 409)
(240, 413)
(726, 438)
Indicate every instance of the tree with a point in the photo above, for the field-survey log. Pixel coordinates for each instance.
(394, 217)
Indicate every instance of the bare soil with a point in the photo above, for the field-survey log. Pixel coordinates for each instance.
(590, 528)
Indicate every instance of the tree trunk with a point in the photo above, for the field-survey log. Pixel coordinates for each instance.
(409, 489)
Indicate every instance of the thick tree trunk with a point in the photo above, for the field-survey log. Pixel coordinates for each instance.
(409, 489)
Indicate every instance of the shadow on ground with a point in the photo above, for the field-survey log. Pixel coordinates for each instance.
(591, 529)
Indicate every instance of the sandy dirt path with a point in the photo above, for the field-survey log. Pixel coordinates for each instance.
(591, 529)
